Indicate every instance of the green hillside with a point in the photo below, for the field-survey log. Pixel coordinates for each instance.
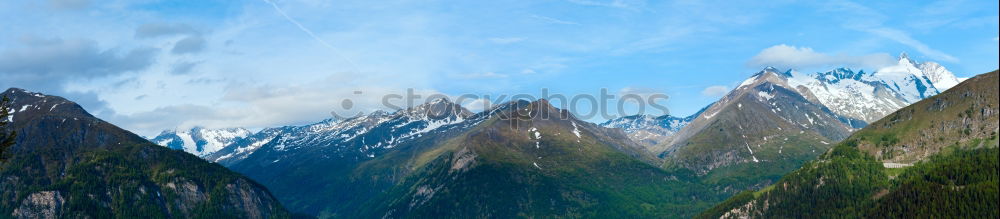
(754, 135)
(69, 164)
(950, 139)
(502, 169)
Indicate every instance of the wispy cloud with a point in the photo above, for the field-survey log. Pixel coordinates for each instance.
(553, 20)
(865, 19)
(803, 58)
(311, 34)
(658, 41)
(715, 91)
(619, 4)
(905, 39)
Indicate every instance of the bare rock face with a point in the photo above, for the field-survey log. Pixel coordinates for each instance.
(44, 204)
(189, 194)
(244, 196)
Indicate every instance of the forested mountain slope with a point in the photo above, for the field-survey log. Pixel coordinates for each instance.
(950, 139)
(68, 164)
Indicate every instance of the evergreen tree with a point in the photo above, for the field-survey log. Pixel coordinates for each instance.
(7, 134)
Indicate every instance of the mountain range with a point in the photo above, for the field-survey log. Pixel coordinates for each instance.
(935, 158)
(858, 96)
(521, 158)
(768, 126)
(776, 120)
(384, 156)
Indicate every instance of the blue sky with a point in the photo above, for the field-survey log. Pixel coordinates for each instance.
(150, 65)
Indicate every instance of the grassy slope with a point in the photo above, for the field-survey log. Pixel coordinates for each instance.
(778, 139)
(958, 115)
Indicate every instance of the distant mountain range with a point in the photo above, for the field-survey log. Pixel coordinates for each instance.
(68, 164)
(650, 130)
(859, 97)
(385, 155)
(426, 160)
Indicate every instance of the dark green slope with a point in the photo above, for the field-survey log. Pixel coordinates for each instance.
(950, 139)
(502, 169)
(67, 163)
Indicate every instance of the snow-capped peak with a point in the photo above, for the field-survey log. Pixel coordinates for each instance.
(904, 56)
(437, 109)
(647, 129)
(941, 77)
(907, 79)
(870, 96)
(200, 141)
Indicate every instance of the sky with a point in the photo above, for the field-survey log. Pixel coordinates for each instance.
(151, 65)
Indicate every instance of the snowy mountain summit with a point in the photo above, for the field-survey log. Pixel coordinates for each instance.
(200, 141)
(870, 96)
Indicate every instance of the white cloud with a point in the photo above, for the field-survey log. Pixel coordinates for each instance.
(862, 18)
(785, 57)
(715, 91)
(477, 105)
